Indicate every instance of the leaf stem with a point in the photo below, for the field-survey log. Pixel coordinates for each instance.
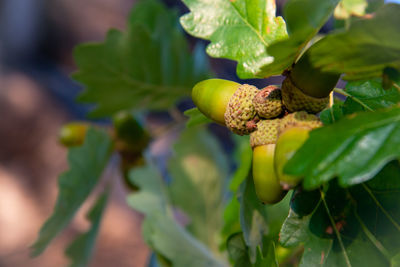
(380, 206)
(346, 257)
(344, 93)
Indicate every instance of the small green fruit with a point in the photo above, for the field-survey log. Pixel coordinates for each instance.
(73, 134)
(268, 102)
(299, 119)
(288, 143)
(240, 112)
(295, 100)
(212, 97)
(130, 135)
(266, 183)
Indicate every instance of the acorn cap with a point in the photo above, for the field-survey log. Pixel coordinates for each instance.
(268, 102)
(240, 111)
(295, 100)
(266, 133)
(299, 119)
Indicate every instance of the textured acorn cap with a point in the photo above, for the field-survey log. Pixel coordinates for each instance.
(295, 100)
(268, 102)
(240, 110)
(266, 133)
(299, 119)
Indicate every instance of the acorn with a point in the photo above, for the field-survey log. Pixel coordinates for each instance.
(267, 186)
(306, 87)
(129, 134)
(212, 97)
(295, 100)
(268, 102)
(240, 113)
(73, 134)
(292, 133)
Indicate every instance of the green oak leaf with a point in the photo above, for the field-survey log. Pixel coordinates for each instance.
(369, 95)
(176, 244)
(80, 250)
(199, 172)
(365, 49)
(304, 18)
(160, 231)
(149, 66)
(196, 118)
(354, 149)
(238, 30)
(86, 163)
(355, 227)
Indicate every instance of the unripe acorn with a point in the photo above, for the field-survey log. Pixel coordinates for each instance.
(266, 182)
(267, 186)
(295, 100)
(293, 132)
(129, 134)
(268, 102)
(212, 97)
(73, 133)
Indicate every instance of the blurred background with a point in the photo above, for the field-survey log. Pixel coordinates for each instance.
(37, 96)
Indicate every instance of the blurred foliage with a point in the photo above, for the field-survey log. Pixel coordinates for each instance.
(86, 163)
(147, 67)
(80, 250)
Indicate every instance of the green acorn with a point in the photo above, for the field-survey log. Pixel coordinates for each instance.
(73, 133)
(212, 97)
(268, 102)
(130, 136)
(293, 132)
(295, 100)
(240, 113)
(266, 182)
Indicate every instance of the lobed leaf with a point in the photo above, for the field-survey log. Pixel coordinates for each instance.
(238, 30)
(199, 170)
(358, 226)
(86, 163)
(160, 230)
(147, 66)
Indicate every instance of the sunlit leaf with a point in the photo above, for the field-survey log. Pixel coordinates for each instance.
(238, 30)
(199, 171)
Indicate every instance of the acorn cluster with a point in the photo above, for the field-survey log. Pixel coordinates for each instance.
(278, 121)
